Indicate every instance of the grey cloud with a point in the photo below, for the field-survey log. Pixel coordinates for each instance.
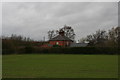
(34, 19)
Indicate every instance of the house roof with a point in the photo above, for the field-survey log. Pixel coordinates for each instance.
(78, 44)
(60, 38)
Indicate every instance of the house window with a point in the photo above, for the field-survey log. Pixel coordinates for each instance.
(57, 43)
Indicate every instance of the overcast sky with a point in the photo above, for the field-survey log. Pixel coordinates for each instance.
(34, 19)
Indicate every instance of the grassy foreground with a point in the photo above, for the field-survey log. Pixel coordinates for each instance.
(60, 66)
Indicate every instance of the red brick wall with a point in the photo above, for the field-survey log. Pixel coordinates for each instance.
(61, 43)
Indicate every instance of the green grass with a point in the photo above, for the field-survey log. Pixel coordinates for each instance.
(60, 66)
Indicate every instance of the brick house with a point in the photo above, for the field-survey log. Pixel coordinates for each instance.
(59, 40)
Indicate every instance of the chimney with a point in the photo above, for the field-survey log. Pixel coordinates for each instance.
(61, 32)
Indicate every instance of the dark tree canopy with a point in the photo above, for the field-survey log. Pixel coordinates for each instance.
(97, 38)
(104, 38)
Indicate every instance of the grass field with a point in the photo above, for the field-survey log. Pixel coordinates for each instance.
(60, 66)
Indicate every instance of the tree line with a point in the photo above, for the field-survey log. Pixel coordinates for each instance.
(19, 44)
(102, 38)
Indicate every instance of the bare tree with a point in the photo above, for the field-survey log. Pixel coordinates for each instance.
(97, 38)
(114, 35)
(68, 32)
(105, 38)
(117, 30)
(51, 34)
